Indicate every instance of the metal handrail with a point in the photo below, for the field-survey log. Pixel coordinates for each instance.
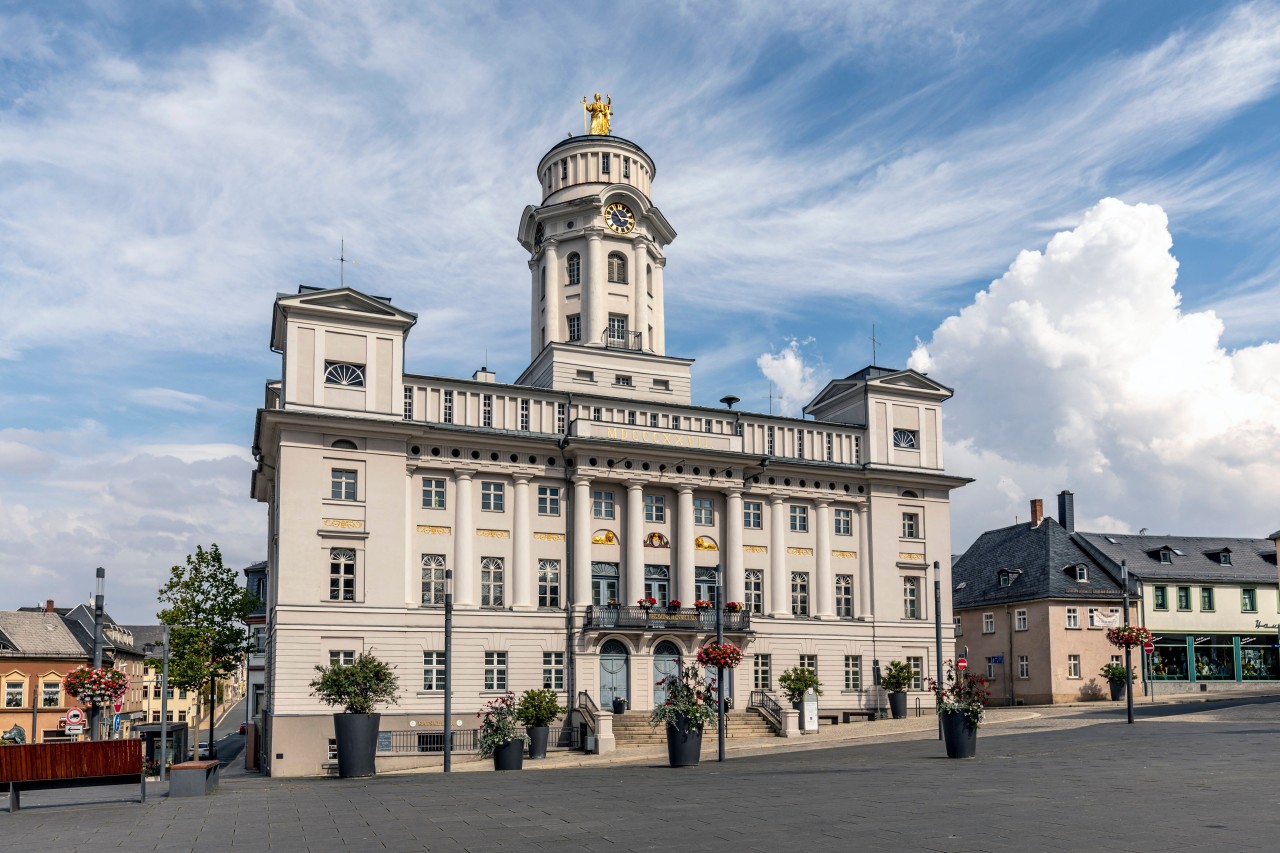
(667, 618)
(589, 710)
(613, 339)
(768, 708)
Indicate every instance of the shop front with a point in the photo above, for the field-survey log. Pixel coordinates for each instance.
(1213, 657)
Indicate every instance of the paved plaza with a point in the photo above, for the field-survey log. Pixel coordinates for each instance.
(1183, 778)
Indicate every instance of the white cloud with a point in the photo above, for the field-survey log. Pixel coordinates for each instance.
(1077, 369)
(796, 381)
(173, 399)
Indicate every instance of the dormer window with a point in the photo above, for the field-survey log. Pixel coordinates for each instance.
(1166, 556)
(1224, 557)
(1006, 577)
(1005, 580)
(344, 374)
(905, 439)
(1082, 573)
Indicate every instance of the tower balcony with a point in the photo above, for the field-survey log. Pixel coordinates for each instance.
(691, 619)
(615, 339)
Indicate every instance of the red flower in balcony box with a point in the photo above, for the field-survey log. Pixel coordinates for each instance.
(675, 604)
(647, 601)
(734, 607)
(702, 604)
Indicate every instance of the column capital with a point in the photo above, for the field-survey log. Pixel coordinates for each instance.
(732, 491)
(464, 473)
(522, 478)
(684, 489)
(534, 263)
(822, 503)
(593, 232)
(582, 479)
(776, 498)
(635, 485)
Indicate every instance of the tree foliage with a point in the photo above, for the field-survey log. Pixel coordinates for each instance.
(206, 610)
(358, 687)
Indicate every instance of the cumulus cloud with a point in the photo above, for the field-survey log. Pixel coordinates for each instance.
(1078, 369)
(796, 381)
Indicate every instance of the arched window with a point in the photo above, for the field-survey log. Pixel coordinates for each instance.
(344, 444)
(575, 269)
(542, 294)
(617, 268)
(648, 278)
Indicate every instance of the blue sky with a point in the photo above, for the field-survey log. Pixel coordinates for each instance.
(166, 168)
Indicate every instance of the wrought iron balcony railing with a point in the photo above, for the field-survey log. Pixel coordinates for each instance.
(671, 619)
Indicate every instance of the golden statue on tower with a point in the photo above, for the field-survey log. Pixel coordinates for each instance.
(599, 113)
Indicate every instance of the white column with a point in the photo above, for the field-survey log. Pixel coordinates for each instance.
(824, 582)
(634, 568)
(581, 541)
(865, 610)
(659, 312)
(594, 309)
(522, 585)
(551, 313)
(535, 308)
(464, 539)
(735, 582)
(685, 535)
(779, 582)
(640, 317)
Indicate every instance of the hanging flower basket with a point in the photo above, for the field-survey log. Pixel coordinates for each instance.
(723, 655)
(96, 687)
(1127, 638)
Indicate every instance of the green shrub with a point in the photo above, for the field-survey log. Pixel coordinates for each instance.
(897, 677)
(539, 707)
(796, 681)
(358, 687)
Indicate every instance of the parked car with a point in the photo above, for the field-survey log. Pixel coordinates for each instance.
(201, 751)
(243, 726)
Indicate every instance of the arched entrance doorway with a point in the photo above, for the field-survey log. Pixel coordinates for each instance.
(614, 673)
(666, 661)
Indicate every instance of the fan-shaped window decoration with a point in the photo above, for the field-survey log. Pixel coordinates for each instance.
(909, 494)
(342, 373)
(904, 438)
(575, 268)
(344, 444)
(613, 647)
(617, 268)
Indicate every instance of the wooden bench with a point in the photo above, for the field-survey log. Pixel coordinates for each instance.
(193, 778)
(833, 716)
(870, 715)
(44, 766)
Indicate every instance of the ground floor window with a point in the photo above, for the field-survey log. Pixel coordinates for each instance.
(495, 670)
(917, 672)
(1073, 666)
(1215, 658)
(853, 672)
(762, 673)
(553, 670)
(1024, 667)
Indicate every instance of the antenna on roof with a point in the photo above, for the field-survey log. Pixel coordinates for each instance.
(874, 344)
(342, 263)
(772, 397)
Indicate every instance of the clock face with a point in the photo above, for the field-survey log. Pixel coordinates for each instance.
(538, 236)
(619, 218)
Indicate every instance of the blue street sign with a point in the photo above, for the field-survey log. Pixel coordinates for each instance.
(997, 658)
(115, 723)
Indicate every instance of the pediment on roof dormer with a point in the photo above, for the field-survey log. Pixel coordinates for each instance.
(909, 380)
(343, 304)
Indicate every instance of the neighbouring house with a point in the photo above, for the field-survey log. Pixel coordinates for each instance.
(38, 647)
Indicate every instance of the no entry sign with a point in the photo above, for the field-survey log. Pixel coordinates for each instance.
(962, 664)
(1148, 647)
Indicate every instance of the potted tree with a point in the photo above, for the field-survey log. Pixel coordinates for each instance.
(690, 705)
(500, 736)
(795, 683)
(896, 679)
(961, 700)
(1117, 678)
(536, 709)
(359, 687)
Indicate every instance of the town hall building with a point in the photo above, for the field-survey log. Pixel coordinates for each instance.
(566, 499)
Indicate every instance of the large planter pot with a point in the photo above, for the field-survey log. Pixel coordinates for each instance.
(1117, 689)
(357, 739)
(898, 705)
(960, 736)
(509, 756)
(684, 744)
(537, 741)
(619, 705)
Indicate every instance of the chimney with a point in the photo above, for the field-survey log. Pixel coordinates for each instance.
(48, 605)
(483, 375)
(1067, 510)
(1037, 512)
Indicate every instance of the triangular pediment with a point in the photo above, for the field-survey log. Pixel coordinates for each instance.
(909, 379)
(336, 303)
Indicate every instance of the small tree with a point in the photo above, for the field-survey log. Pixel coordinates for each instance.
(796, 681)
(358, 687)
(206, 610)
(539, 707)
(897, 677)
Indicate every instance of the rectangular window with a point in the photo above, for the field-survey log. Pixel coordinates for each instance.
(486, 410)
(433, 579)
(604, 163)
(761, 673)
(799, 593)
(703, 512)
(155, 718)
(564, 170)
(955, 621)
(853, 672)
(168, 716)
(492, 582)
(910, 598)
(493, 497)
(146, 691)
(548, 583)
(1024, 667)
(561, 418)
(524, 415)
(446, 410)
(1224, 558)
(706, 424)
(182, 716)
(809, 662)
(631, 418)
(51, 694)
(548, 500)
(843, 522)
(769, 441)
(830, 448)
(597, 413)
(988, 623)
(1073, 617)
(659, 385)
(1019, 620)
(910, 525)
(653, 419)
(408, 404)
(617, 328)
(1160, 598)
(495, 670)
(432, 493)
(752, 515)
(1206, 598)
(1248, 600)
(604, 584)
(991, 669)
(621, 379)
(675, 422)
(799, 519)
(433, 671)
(844, 596)
(626, 167)
(1082, 574)
(342, 574)
(602, 504)
(333, 749)
(755, 591)
(1094, 612)
(1184, 598)
(342, 485)
(575, 327)
(553, 670)
(341, 658)
(917, 672)
(799, 444)
(1073, 666)
(13, 691)
(655, 508)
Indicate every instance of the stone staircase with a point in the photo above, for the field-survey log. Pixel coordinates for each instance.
(632, 728)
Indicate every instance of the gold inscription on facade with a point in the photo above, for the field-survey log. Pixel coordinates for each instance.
(343, 523)
(908, 557)
(800, 552)
(432, 530)
(549, 537)
(756, 549)
(845, 555)
(494, 534)
(645, 436)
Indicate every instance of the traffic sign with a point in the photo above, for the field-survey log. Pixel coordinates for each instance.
(75, 730)
(75, 716)
(997, 658)
(1149, 647)
(962, 664)
(116, 707)
(115, 723)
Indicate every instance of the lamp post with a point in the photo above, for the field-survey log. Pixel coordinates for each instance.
(448, 670)
(937, 628)
(149, 649)
(95, 713)
(1128, 650)
(720, 669)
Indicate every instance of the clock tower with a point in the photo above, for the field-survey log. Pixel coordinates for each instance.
(596, 260)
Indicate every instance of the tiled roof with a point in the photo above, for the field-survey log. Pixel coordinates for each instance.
(1039, 561)
(1191, 558)
(40, 635)
(143, 634)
